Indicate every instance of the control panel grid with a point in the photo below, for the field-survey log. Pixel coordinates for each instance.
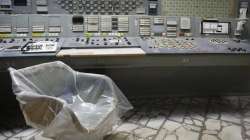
(200, 8)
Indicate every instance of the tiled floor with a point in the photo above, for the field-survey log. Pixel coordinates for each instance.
(213, 118)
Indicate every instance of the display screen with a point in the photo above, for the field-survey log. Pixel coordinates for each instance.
(78, 20)
(20, 2)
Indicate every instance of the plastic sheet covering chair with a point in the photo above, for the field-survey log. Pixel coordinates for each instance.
(66, 104)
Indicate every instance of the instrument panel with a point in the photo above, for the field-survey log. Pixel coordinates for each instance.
(33, 34)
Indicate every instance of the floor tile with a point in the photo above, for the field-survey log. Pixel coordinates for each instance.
(173, 118)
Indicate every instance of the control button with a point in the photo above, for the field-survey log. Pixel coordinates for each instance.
(57, 39)
(77, 39)
(12, 40)
(46, 39)
(87, 41)
(236, 40)
(24, 39)
(1, 40)
(234, 49)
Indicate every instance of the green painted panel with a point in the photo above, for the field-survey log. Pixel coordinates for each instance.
(200, 8)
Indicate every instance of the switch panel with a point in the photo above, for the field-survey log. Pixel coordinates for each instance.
(115, 23)
(145, 26)
(171, 28)
(38, 28)
(22, 30)
(5, 29)
(123, 24)
(159, 20)
(185, 23)
(106, 24)
(92, 23)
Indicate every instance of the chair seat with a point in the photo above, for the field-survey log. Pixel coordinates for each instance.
(91, 115)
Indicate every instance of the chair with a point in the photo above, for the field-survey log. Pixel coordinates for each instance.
(66, 104)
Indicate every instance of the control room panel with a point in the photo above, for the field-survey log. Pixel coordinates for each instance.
(46, 27)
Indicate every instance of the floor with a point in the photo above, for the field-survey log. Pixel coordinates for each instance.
(213, 118)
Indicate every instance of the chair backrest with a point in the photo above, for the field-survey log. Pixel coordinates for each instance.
(53, 79)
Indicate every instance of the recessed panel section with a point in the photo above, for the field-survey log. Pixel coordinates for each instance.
(218, 28)
(54, 25)
(22, 24)
(38, 24)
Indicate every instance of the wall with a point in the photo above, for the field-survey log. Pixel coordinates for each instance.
(248, 23)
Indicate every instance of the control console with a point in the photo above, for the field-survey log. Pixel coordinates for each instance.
(101, 42)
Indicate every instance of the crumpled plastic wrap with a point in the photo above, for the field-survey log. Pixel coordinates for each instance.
(66, 104)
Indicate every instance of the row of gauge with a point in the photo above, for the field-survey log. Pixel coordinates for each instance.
(122, 24)
(108, 23)
(131, 25)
